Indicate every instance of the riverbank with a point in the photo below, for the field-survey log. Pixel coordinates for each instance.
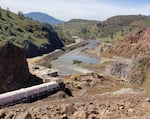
(53, 55)
(40, 65)
(66, 63)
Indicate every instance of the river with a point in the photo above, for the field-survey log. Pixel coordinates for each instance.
(64, 64)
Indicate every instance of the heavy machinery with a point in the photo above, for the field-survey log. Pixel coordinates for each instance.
(75, 77)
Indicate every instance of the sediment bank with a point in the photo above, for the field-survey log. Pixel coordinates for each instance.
(53, 55)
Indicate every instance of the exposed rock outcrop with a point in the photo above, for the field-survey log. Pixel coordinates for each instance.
(137, 48)
(14, 72)
(118, 69)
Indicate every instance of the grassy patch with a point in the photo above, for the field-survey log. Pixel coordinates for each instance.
(77, 62)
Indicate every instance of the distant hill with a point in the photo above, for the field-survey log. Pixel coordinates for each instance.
(44, 18)
(120, 26)
(79, 27)
(111, 29)
(37, 38)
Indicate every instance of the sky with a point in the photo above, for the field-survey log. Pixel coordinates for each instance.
(79, 9)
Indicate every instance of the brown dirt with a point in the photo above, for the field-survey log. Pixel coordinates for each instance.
(96, 98)
(109, 106)
(132, 45)
(147, 80)
(14, 72)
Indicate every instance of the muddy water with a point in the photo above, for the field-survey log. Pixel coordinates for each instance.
(64, 64)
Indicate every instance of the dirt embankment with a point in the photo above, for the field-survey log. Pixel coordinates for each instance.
(14, 72)
(132, 45)
(52, 55)
(135, 48)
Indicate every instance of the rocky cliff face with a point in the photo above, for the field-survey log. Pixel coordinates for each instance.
(133, 45)
(14, 72)
(118, 69)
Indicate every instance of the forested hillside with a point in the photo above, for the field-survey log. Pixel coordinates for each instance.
(37, 38)
(113, 28)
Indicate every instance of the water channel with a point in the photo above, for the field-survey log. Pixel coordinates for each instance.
(64, 64)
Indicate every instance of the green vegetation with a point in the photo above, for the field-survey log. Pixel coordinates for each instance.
(16, 29)
(65, 37)
(77, 62)
(82, 28)
(109, 30)
(37, 38)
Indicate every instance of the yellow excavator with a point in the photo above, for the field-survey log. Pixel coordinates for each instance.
(75, 77)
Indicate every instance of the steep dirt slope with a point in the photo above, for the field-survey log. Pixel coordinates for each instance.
(135, 47)
(134, 44)
(14, 72)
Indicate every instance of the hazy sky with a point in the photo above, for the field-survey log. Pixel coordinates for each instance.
(85, 9)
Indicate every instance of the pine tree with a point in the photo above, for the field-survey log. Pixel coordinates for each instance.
(0, 12)
(8, 12)
(20, 14)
